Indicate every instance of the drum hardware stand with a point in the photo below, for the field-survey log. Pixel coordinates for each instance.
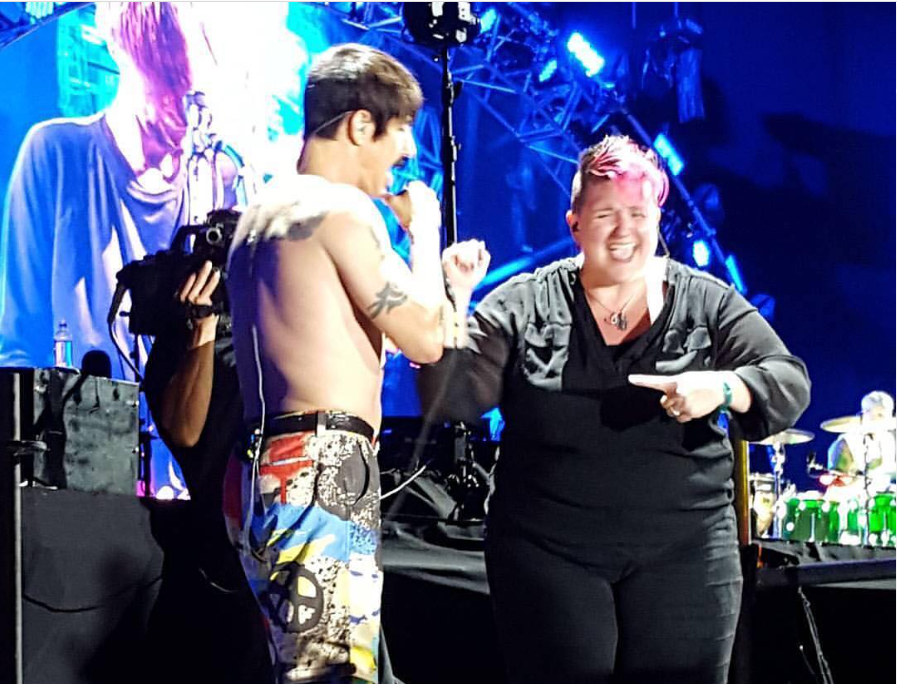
(777, 460)
(778, 469)
(867, 496)
(867, 517)
(866, 499)
(463, 482)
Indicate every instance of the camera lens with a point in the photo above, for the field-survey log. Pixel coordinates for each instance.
(214, 235)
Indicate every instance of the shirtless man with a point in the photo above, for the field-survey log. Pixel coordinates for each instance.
(315, 287)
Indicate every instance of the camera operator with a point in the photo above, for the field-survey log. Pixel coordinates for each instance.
(206, 619)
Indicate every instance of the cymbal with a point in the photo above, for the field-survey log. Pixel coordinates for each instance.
(787, 437)
(855, 424)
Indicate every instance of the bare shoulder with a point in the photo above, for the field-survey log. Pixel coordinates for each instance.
(351, 205)
(295, 209)
(353, 217)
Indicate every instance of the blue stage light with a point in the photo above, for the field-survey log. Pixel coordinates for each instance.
(735, 273)
(580, 48)
(496, 424)
(700, 252)
(488, 19)
(668, 153)
(39, 10)
(766, 305)
(548, 70)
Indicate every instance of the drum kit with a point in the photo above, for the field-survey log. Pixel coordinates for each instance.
(858, 507)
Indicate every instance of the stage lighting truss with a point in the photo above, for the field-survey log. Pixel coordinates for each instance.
(18, 19)
(520, 71)
(502, 69)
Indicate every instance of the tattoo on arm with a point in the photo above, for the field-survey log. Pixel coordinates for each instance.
(377, 243)
(303, 229)
(388, 298)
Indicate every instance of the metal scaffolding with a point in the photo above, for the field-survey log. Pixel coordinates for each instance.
(500, 69)
(552, 112)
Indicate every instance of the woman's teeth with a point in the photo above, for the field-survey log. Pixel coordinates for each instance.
(622, 252)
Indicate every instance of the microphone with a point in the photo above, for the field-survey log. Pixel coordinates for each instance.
(400, 204)
(96, 363)
(120, 289)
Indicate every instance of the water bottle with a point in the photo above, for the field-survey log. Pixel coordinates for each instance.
(62, 346)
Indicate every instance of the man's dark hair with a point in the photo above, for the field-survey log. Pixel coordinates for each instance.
(350, 77)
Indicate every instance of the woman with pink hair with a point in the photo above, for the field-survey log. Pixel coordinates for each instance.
(611, 546)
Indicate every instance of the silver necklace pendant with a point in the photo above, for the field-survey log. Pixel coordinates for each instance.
(618, 319)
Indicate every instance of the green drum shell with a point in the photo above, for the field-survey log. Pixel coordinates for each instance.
(881, 521)
(812, 520)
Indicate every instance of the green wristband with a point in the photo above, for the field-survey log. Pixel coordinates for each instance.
(727, 398)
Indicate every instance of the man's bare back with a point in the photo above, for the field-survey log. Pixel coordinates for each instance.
(303, 281)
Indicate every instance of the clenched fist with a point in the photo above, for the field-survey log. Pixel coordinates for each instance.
(465, 264)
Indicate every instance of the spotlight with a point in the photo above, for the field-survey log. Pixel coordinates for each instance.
(580, 48)
(487, 20)
(548, 70)
(440, 24)
(668, 153)
(735, 273)
(39, 10)
(700, 252)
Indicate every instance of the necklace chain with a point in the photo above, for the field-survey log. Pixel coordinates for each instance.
(617, 318)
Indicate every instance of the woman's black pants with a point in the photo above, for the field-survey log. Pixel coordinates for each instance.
(659, 613)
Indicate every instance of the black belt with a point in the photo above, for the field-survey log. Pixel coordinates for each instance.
(311, 422)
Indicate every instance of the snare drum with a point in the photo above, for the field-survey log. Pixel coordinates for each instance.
(808, 517)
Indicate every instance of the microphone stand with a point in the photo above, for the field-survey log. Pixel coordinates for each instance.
(462, 480)
(205, 187)
(449, 153)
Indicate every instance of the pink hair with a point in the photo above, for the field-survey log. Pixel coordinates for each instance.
(619, 157)
(150, 34)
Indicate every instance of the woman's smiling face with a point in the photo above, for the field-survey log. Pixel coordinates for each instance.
(616, 227)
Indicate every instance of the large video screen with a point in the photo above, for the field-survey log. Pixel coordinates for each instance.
(121, 123)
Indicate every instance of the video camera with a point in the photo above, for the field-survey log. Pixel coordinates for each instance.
(155, 280)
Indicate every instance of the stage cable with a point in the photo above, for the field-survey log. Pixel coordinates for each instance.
(98, 606)
(824, 674)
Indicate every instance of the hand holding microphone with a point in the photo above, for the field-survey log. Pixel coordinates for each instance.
(417, 210)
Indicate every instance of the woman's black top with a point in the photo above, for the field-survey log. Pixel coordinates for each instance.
(587, 457)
